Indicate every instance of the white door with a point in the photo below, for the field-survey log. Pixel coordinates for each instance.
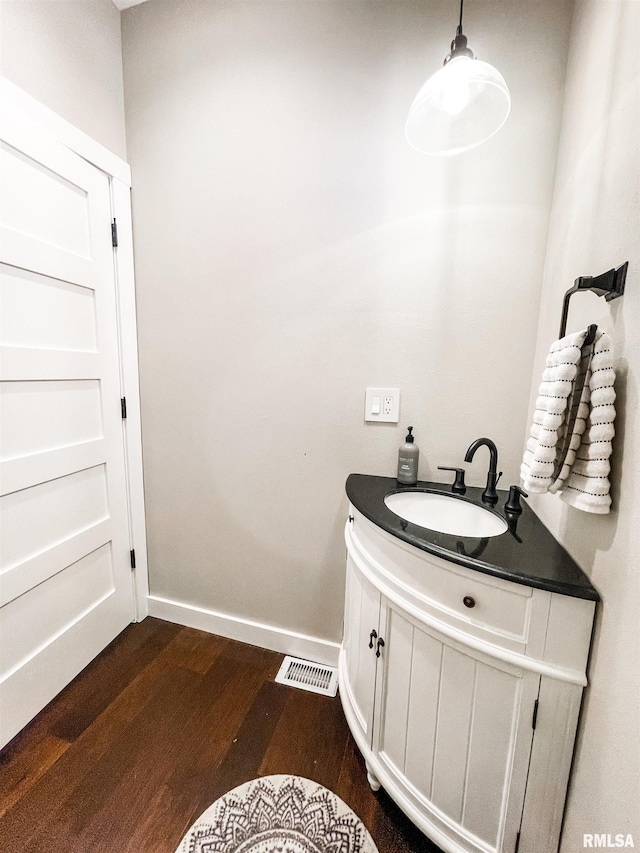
(66, 586)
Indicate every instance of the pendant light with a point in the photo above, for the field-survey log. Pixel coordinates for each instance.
(460, 106)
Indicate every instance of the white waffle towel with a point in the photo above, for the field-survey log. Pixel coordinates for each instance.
(570, 443)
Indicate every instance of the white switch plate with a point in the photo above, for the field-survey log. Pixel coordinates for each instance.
(382, 404)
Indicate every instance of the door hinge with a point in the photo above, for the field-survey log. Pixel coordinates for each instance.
(114, 234)
(535, 715)
(515, 849)
(132, 554)
(123, 407)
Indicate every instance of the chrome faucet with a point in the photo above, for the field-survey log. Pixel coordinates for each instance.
(489, 495)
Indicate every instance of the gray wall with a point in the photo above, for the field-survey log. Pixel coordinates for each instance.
(596, 225)
(67, 54)
(291, 249)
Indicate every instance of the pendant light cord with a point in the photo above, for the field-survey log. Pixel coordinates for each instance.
(460, 24)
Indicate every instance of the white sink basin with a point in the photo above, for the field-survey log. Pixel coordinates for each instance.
(445, 514)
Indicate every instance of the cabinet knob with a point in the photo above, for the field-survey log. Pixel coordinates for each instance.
(372, 637)
(468, 601)
(378, 644)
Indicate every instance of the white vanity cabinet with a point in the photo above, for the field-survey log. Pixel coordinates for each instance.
(444, 673)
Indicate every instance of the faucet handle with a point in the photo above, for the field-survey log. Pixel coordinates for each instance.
(458, 486)
(513, 503)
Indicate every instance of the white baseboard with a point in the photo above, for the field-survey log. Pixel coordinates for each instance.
(245, 630)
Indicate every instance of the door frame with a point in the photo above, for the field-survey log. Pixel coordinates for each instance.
(16, 102)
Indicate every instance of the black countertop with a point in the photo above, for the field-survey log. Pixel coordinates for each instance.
(527, 553)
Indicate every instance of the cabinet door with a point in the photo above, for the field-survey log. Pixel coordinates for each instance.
(362, 614)
(454, 728)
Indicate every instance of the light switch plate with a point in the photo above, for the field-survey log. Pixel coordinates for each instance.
(382, 404)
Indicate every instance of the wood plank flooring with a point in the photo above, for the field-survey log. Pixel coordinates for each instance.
(157, 727)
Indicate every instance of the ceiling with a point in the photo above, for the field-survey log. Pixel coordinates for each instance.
(125, 4)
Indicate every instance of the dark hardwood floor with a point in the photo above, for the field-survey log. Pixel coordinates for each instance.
(157, 727)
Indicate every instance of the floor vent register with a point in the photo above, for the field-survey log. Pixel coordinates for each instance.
(308, 675)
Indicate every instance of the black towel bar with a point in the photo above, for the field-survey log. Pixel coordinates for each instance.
(610, 285)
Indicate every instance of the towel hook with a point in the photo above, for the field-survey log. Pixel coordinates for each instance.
(610, 285)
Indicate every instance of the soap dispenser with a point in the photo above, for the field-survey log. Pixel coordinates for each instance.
(408, 461)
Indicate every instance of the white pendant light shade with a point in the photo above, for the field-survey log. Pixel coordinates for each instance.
(460, 106)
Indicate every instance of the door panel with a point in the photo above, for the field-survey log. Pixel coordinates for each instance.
(422, 709)
(494, 718)
(397, 668)
(76, 590)
(42, 312)
(362, 608)
(455, 707)
(454, 727)
(65, 580)
(44, 415)
(42, 197)
(37, 518)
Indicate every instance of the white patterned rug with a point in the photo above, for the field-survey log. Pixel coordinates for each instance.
(278, 814)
